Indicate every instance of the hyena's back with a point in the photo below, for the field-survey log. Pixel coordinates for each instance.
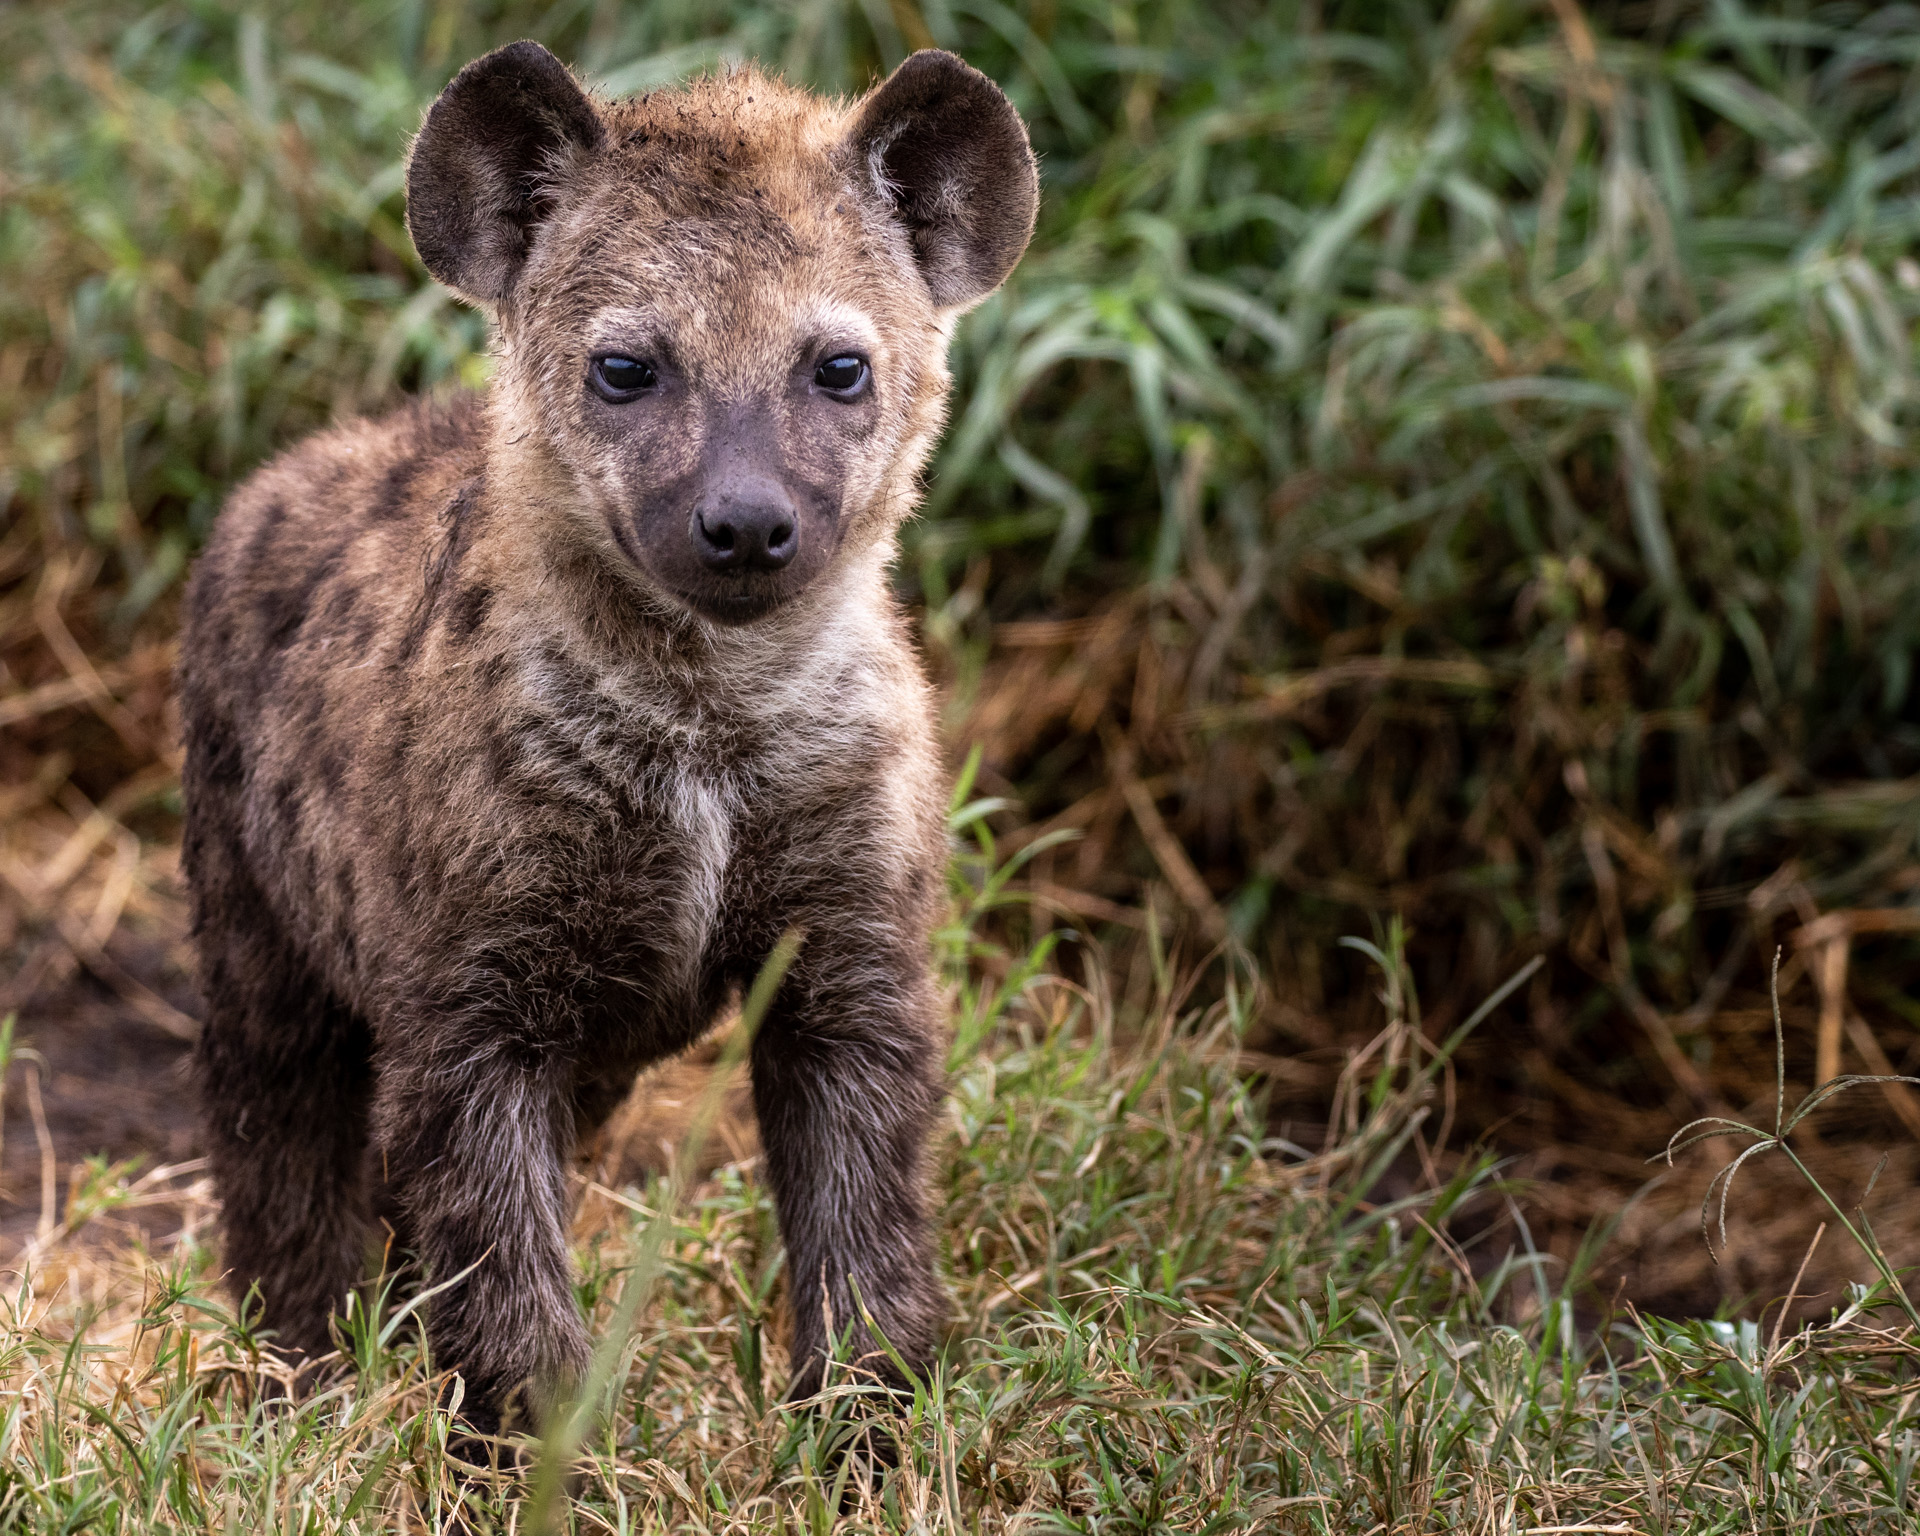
(311, 587)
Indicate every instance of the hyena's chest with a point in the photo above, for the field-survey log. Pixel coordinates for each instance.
(664, 838)
(624, 853)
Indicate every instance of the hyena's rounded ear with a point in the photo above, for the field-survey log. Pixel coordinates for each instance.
(944, 145)
(481, 175)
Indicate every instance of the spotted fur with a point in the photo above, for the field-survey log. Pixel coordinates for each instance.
(494, 795)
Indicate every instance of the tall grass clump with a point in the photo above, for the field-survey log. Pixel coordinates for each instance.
(1518, 531)
(1165, 1319)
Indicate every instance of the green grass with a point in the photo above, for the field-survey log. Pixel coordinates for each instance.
(1455, 467)
(1164, 1320)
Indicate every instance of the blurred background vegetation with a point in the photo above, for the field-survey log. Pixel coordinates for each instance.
(1450, 463)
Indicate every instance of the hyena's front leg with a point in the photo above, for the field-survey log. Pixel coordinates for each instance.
(474, 1143)
(845, 1083)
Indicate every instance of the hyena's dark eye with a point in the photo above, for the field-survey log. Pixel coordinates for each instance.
(844, 376)
(620, 378)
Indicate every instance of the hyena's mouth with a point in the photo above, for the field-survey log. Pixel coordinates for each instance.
(742, 605)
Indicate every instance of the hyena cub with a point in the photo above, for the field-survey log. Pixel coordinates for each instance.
(519, 728)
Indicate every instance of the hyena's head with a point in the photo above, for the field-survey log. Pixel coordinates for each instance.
(723, 311)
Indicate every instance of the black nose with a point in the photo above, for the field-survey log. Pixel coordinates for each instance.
(756, 535)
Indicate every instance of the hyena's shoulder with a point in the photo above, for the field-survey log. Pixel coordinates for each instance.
(327, 544)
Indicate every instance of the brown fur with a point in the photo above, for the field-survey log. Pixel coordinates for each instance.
(495, 793)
